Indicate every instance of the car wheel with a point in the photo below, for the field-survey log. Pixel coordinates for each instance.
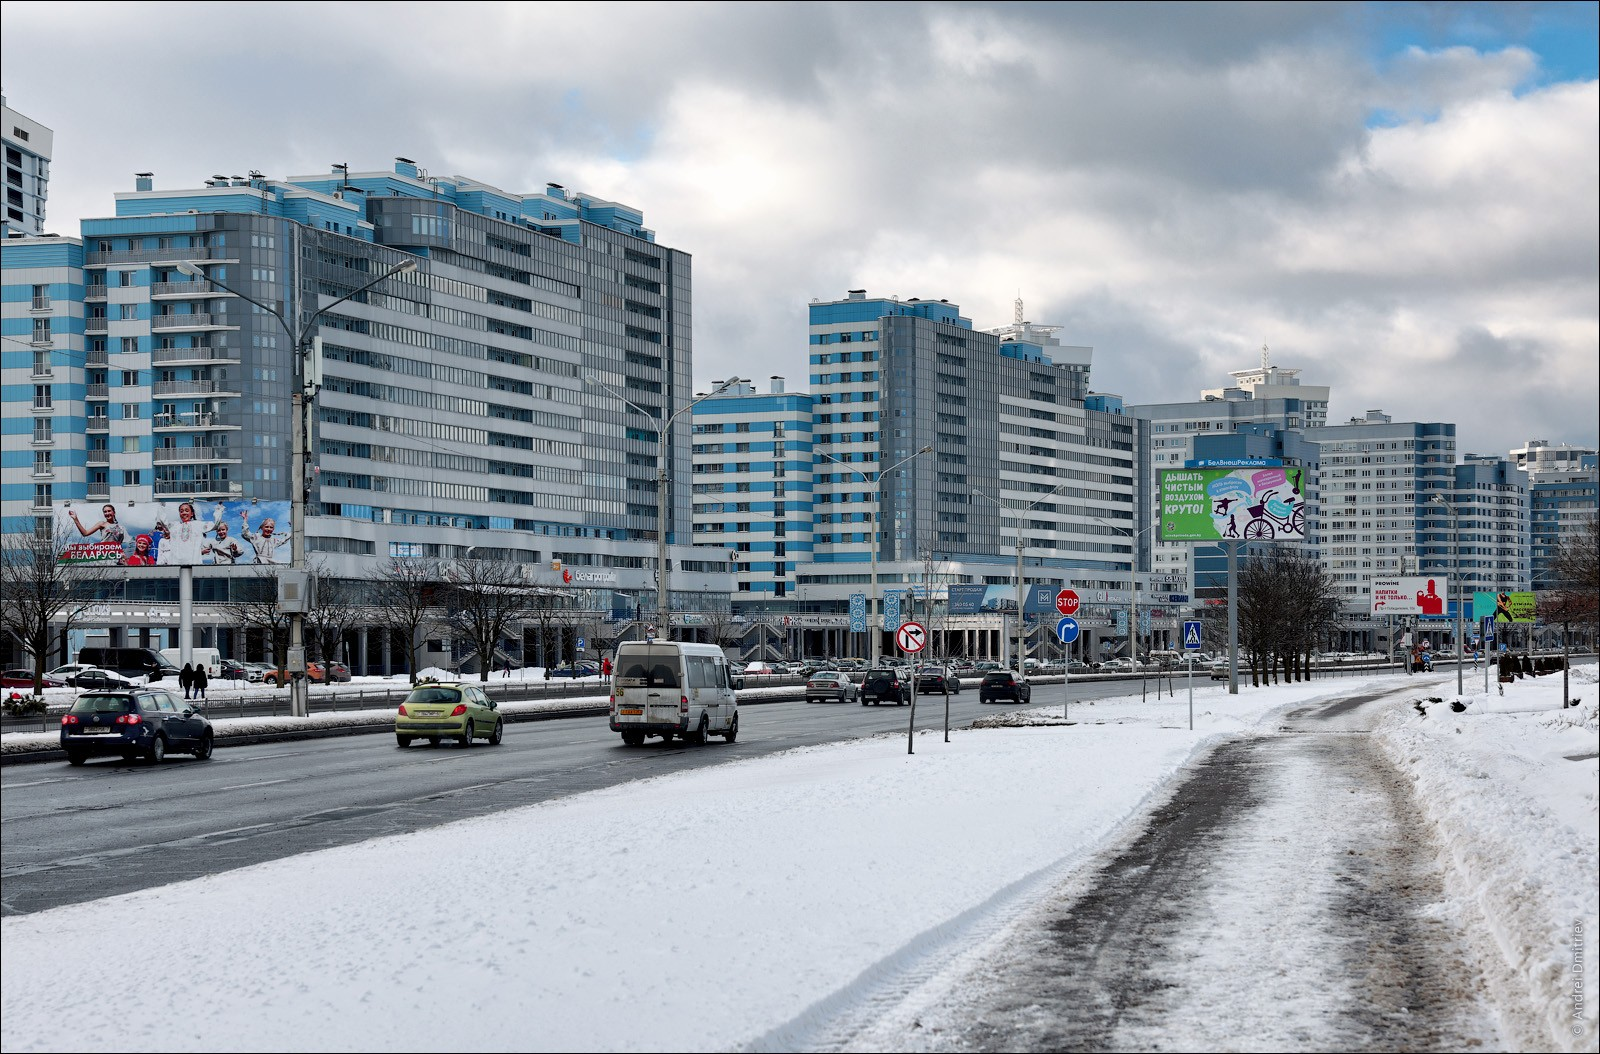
(465, 739)
(633, 739)
(666, 737)
(698, 736)
(733, 730)
(433, 741)
(203, 751)
(156, 752)
(75, 758)
(498, 734)
(402, 741)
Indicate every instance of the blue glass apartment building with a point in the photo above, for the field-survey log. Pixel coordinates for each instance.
(453, 415)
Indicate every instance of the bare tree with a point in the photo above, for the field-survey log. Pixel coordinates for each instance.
(485, 599)
(553, 612)
(341, 606)
(253, 604)
(1286, 604)
(40, 595)
(1576, 599)
(406, 593)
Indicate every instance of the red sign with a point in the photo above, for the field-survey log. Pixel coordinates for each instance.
(911, 636)
(1067, 601)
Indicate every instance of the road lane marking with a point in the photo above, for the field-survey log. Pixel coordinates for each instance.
(262, 783)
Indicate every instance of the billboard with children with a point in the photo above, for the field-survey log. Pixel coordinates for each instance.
(175, 533)
(1219, 504)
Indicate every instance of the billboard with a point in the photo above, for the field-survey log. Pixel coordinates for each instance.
(175, 533)
(1418, 595)
(1218, 504)
(1504, 607)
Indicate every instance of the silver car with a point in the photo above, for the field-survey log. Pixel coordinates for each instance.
(831, 686)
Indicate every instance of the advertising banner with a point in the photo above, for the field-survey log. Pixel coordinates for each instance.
(1215, 504)
(1418, 595)
(966, 598)
(1504, 607)
(175, 533)
(858, 612)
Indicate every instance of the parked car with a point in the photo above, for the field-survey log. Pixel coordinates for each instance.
(937, 680)
(886, 684)
(1076, 666)
(831, 686)
(448, 708)
(24, 679)
(583, 668)
(135, 722)
(329, 673)
(256, 672)
(61, 673)
(232, 670)
(760, 669)
(985, 667)
(1004, 686)
(1118, 666)
(100, 679)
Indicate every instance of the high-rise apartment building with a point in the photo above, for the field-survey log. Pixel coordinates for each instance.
(453, 418)
(29, 146)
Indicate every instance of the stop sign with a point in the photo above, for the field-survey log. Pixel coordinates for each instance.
(1067, 601)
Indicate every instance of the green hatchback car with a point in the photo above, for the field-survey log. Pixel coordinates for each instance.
(448, 709)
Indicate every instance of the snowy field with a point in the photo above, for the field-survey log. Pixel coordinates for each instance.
(1510, 787)
(740, 905)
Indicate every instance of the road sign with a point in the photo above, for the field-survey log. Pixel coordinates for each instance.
(1067, 601)
(1067, 630)
(1191, 636)
(911, 637)
(582, 644)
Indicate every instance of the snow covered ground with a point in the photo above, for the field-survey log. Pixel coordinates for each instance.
(1510, 787)
(744, 904)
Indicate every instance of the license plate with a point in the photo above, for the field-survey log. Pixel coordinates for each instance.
(430, 713)
(93, 730)
(631, 712)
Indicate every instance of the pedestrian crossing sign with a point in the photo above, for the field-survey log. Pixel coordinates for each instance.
(1191, 636)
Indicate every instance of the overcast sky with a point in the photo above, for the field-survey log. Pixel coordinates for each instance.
(1399, 200)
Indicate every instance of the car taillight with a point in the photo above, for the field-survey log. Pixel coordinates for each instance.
(403, 710)
(69, 720)
(460, 709)
(683, 704)
(129, 719)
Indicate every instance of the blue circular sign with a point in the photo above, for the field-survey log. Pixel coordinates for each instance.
(1067, 630)
(582, 644)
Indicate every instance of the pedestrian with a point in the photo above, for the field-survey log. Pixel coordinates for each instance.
(200, 681)
(186, 679)
(508, 667)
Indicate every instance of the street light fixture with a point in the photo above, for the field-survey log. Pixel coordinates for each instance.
(1455, 527)
(875, 629)
(1017, 580)
(663, 432)
(305, 391)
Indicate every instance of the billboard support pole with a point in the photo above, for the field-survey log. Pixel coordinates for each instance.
(1233, 617)
(185, 614)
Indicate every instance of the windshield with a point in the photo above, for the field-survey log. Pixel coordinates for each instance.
(649, 667)
(435, 695)
(103, 704)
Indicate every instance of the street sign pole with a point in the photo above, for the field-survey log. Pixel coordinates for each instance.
(911, 637)
(1067, 631)
(1191, 693)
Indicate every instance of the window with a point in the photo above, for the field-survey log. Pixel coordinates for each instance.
(130, 345)
(130, 411)
(125, 279)
(130, 477)
(129, 311)
(41, 397)
(41, 331)
(130, 378)
(43, 430)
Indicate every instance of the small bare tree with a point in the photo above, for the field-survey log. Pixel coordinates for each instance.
(253, 604)
(341, 606)
(1576, 600)
(406, 593)
(1286, 604)
(486, 598)
(40, 595)
(553, 612)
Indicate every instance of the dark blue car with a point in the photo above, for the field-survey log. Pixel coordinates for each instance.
(134, 723)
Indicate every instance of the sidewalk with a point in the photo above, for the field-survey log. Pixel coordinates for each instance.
(747, 904)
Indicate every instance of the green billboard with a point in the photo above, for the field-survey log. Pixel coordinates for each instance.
(1220, 504)
(1505, 607)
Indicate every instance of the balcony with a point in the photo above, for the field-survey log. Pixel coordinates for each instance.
(193, 455)
(94, 291)
(95, 358)
(97, 391)
(184, 290)
(197, 387)
(97, 457)
(198, 488)
(95, 325)
(98, 424)
(175, 254)
(43, 371)
(99, 490)
(195, 321)
(176, 355)
(192, 419)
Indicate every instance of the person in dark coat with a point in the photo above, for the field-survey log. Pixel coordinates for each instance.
(200, 681)
(186, 679)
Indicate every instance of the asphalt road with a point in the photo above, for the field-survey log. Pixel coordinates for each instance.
(69, 835)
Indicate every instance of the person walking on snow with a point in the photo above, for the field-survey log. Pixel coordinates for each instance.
(186, 679)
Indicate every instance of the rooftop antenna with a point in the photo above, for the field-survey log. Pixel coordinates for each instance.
(1016, 312)
(1263, 358)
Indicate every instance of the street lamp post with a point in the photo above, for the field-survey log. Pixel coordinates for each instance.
(875, 631)
(1133, 587)
(304, 393)
(663, 434)
(1455, 545)
(1017, 579)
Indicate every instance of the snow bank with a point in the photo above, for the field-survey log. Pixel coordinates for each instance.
(701, 910)
(1510, 785)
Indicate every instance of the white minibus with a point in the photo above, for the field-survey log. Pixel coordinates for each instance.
(672, 688)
